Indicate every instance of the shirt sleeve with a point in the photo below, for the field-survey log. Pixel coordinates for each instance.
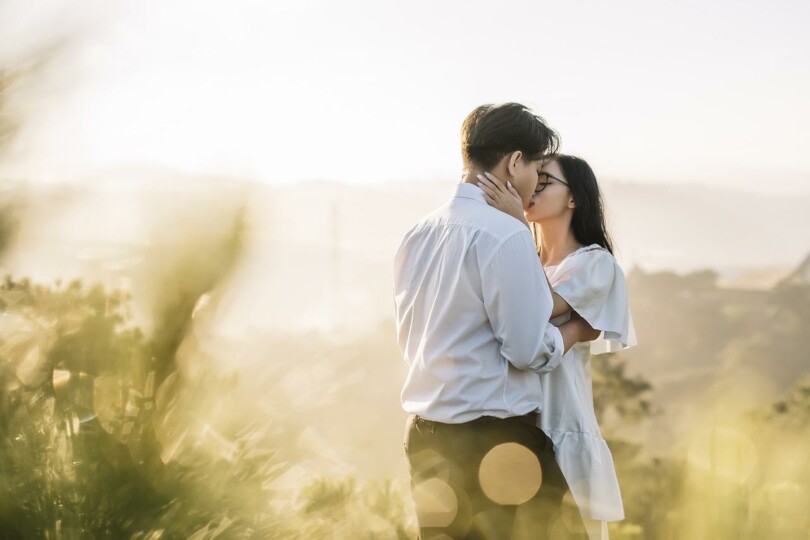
(518, 304)
(593, 284)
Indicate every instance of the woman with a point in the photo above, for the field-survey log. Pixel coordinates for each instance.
(567, 219)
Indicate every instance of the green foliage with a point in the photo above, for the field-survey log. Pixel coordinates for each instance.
(61, 470)
(727, 477)
(108, 432)
(649, 485)
(105, 436)
(615, 391)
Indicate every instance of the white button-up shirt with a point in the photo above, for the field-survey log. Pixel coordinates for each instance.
(472, 313)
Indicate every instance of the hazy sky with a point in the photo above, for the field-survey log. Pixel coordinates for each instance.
(370, 91)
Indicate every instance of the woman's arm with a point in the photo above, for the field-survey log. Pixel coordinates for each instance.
(560, 305)
(577, 330)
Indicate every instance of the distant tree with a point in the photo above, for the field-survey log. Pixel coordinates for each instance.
(649, 485)
(616, 392)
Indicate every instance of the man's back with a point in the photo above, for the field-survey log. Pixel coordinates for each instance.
(471, 303)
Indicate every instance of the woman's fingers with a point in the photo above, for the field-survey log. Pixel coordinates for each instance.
(485, 181)
(488, 190)
(497, 182)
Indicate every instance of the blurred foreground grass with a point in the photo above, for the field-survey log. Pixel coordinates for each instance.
(108, 433)
(104, 437)
(173, 430)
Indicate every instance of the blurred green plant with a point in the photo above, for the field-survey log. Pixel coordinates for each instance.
(111, 433)
(62, 416)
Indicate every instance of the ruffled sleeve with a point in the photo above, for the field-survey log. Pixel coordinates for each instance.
(593, 284)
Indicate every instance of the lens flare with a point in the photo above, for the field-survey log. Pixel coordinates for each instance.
(510, 473)
(436, 503)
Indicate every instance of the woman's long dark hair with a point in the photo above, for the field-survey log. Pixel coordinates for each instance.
(588, 222)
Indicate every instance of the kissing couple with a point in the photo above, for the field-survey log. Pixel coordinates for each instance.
(502, 295)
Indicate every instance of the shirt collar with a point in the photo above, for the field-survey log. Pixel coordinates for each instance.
(469, 191)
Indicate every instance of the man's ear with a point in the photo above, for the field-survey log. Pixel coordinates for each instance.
(511, 165)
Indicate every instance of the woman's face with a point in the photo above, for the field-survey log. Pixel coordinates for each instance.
(553, 200)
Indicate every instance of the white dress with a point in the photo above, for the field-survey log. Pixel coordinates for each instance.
(593, 284)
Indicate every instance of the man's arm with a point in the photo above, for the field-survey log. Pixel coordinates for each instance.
(519, 305)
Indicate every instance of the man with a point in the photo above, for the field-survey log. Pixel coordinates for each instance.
(472, 307)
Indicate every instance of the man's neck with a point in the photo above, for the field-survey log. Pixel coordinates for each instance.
(471, 177)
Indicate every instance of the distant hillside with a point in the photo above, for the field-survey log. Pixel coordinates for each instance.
(801, 275)
(321, 248)
(749, 240)
(690, 227)
(656, 226)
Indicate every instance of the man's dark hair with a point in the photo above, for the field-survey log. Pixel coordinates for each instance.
(493, 131)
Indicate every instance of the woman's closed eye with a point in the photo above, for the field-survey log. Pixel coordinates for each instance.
(541, 186)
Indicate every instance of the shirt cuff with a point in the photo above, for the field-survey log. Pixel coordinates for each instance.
(556, 347)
